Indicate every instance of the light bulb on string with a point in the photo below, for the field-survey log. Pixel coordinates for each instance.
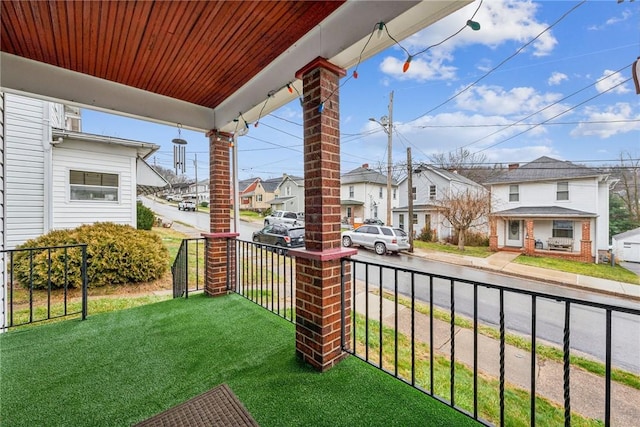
(289, 88)
(321, 107)
(380, 28)
(475, 26)
(405, 67)
(355, 74)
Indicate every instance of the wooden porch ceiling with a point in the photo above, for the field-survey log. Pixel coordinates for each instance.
(198, 63)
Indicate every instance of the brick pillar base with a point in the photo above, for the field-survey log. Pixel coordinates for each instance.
(220, 264)
(493, 234)
(319, 337)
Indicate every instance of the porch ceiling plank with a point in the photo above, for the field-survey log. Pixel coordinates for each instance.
(197, 63)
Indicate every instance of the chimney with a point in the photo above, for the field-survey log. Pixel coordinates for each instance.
(513, 166)
(365, 166)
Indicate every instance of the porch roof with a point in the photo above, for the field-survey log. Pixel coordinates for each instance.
(543, 212)
(198, 64)
(351, 203)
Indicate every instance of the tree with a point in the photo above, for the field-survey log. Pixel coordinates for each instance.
(628, 187)
(465, 210)
(470, 165)
(171, 176)
(619, 218)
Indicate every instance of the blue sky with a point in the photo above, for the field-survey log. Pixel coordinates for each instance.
(563, 93)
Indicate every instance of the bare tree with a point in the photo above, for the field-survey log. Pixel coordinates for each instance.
(628, 188)
(171, 176)
(470, 165)
(465, 210)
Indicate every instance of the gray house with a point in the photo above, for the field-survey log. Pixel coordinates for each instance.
(363, 195)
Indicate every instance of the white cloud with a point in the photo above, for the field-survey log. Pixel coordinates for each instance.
(611, 79)
(419, 69)
(612, 114)
(626, 14)
(515, 102)
(556, 78)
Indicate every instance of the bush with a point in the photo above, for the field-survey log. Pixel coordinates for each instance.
(204, 204)
(116, 254)
(145, 216)
(471, 238)
(427, 235)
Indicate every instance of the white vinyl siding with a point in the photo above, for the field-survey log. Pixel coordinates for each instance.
(101, 159)
(25, 137)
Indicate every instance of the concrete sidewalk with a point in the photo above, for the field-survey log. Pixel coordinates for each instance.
(587, 389)
(503, 262)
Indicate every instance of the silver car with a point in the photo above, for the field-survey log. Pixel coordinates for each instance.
(380, 238)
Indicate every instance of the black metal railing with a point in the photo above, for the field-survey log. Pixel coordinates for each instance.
(44, 283)
(189, 267)
(266, 275)
(448, 337)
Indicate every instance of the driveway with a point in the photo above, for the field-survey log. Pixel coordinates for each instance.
(631, 266)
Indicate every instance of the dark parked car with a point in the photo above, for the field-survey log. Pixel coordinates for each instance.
(280, 237)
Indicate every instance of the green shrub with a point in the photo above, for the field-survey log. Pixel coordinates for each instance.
(145, 216)
(204, 204)
(427, 235)
(116, 254)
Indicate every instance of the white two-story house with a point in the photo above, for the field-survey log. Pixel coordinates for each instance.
(553, 206)
(289, 194)
(429, 186)
(363, 195)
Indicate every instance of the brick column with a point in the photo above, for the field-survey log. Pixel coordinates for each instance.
(220, 248)
(529, 238)
(585, 242)
(493, 234)
(318, 267)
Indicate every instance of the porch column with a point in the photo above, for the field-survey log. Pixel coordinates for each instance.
(493, 234)
(220, 246)
(585, 242)
(529, 238)
(318, 266)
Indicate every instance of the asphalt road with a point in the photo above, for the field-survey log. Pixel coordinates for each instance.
(587, 323)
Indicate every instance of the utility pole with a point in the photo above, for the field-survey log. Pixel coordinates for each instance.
(195, 165)
(410, 183)
(387, 125)
(389, 159)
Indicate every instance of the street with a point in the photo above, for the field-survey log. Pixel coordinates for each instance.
(587, 323)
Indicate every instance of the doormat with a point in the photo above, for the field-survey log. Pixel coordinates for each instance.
(216, 407)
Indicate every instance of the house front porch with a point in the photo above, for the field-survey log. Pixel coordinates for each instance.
(545, 231)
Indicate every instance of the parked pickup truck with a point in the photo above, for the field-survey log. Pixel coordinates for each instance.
(283, 217)
(187, 205)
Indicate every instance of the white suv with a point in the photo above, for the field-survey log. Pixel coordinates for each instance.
(380, 238)
(283, 217)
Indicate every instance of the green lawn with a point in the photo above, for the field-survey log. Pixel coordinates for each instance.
(119, 368)
(476, 251)
(603, 271)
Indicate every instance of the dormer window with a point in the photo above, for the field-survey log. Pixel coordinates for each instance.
(562, 191)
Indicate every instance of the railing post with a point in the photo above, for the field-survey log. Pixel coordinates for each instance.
(85, 283)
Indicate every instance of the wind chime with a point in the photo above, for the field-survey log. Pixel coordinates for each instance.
(179, 152)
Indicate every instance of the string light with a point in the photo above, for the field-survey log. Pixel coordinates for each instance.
(380, 28)
(289, 88)
(475, 26)
(405, 67)
(321, 107)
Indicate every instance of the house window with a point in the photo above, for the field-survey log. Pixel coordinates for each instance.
(415, 219)
(375, 211)
(401, 221)
(514, 193)
(288, 191)
(380, 193)
(562, 229)
(394, 194)
(562, 191)
(93, 186)
(427, 221)
(258, 197)
(351, 191)
(432, 192)
(348, 212)
(414, 193)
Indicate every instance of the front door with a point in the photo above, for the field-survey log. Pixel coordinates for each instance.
(514, 233)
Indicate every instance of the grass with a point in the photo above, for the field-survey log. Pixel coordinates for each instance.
(603, 271)
(119, 368)
(517, 401)
(544, 352)
(475, 251)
